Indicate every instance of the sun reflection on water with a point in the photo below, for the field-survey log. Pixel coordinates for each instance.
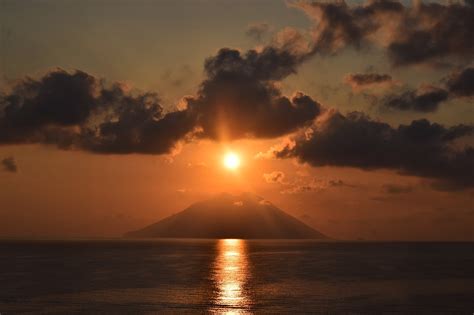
(230, 278)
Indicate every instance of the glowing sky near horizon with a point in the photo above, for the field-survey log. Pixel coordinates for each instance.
(161, 46)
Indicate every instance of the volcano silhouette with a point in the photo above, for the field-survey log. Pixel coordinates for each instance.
(244, 216)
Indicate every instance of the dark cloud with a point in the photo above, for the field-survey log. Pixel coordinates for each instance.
(58, 99)
(461, 83)
(427, 98)
(9, 165)
(339, 25)
(421, 148)
(365, 80)
(140, 132)
(78, 110)
(435, 31)
(422, 33)
(240, 98)
(257, 31)
(269, 64)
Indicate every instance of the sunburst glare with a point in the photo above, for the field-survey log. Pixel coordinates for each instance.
(231, 161)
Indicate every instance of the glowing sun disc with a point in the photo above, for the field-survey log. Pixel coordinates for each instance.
(231, 161)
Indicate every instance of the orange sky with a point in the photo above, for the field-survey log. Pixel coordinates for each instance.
(161, 47)
(74, 194)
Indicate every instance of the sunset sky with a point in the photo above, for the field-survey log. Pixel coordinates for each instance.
(357, 117)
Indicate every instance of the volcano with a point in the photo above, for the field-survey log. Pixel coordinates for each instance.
(244, 216)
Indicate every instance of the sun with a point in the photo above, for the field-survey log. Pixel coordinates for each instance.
(231, 161)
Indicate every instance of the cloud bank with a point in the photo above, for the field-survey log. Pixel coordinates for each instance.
(421, 148)
(423, 33)
(77, 110)
(427, 98)
(240, 99)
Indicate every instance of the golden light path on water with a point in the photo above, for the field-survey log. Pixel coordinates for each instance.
(230, 278)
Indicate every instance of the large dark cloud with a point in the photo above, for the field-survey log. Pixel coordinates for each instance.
(240, 98)
(339, 25)
(461, 83)
(423, 33)
(57, 99)
(268, 64)
(433, 30)
(138, 126)
(421, 148)
(78, 110)
(427, 98)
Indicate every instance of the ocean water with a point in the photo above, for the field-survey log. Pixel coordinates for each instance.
(235, 277)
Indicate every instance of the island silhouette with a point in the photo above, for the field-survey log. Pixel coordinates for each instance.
(244, 216)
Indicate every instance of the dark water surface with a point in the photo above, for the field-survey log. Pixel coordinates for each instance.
(235, 276)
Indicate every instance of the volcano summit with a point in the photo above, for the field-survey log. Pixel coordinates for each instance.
(244, 216)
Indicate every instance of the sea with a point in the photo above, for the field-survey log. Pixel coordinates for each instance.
(232, 276)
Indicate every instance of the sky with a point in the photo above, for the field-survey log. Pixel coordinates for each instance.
(355, 117)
